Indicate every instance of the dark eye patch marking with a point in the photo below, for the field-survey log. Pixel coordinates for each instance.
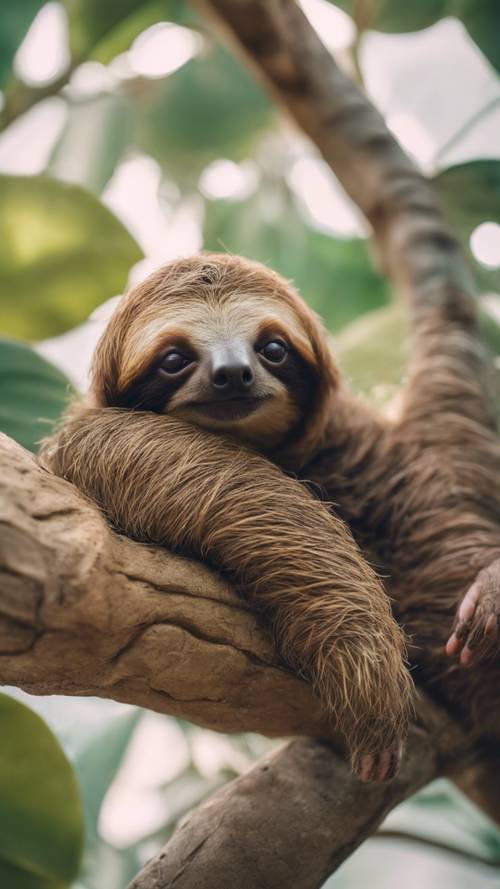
(293, 370)
(153, 389)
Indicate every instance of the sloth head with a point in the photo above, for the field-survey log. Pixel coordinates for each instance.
(223, 343)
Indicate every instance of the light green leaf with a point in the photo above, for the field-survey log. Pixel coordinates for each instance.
(62, 253)
(100, 754)
(33, 394)
(470, 195)
(373, 352)
(41, 826)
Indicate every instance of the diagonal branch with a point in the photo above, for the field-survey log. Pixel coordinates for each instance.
(290, 821)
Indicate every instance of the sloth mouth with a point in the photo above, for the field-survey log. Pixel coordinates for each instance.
(229, 408)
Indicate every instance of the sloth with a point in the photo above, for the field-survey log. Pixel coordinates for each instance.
(218, 425)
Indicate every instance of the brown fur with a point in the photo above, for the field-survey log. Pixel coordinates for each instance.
(417, 494)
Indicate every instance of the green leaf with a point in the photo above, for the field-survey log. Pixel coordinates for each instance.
(335, 276)
(209, 108)
(372, 354)
(16, 19)
(92, 142)
(99, 757)
(482, 20)
(103, 30)
(470, 195)
(41, 825)
(394, 16)
(62, 253)
(33, 394)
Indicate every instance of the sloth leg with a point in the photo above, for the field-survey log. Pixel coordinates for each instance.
(476, 632)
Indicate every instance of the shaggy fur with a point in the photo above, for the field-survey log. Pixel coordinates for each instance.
(418, 496)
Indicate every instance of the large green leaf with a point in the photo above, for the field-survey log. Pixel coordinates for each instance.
(62, 253)
(41, 825)
(470, 195)
(480, 17)
(16, 19)
(102, 30)
(33, 394)
(372, 350)
(335, 276)
(92, 142)
(372, 353)
(209, 108)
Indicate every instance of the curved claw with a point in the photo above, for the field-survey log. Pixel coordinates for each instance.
(382, 766)
(477, 624)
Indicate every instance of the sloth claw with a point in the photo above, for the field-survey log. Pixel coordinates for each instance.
(476, 630)
(382, 766)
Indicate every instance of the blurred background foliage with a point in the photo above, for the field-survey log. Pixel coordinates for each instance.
(129, 136)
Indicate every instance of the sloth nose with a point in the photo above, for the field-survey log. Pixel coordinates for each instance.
(232, 374)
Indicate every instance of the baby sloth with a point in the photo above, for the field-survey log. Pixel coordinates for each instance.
(212, 390)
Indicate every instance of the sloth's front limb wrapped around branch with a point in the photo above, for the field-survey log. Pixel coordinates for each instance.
(167, 482)
(84, 611)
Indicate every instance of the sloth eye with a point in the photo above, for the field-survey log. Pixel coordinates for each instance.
(274, 351)
(174, 362)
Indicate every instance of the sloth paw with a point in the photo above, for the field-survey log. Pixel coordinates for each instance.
(382, 766)
(476, 630)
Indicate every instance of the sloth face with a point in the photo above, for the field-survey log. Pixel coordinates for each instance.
(219, 342)
(227, 364)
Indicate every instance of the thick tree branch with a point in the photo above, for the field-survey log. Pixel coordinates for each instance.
(84, 611)
(290, 821)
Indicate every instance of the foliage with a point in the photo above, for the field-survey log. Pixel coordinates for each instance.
(63, 252)
(41, 826)
(33, 393)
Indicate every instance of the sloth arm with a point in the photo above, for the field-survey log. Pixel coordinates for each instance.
(449, 406)
(162, 480)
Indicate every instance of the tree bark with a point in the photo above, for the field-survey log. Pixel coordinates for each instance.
(288, 822)
(84, 611)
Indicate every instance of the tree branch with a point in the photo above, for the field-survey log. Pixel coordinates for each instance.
(84, 611)
(290, 821)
